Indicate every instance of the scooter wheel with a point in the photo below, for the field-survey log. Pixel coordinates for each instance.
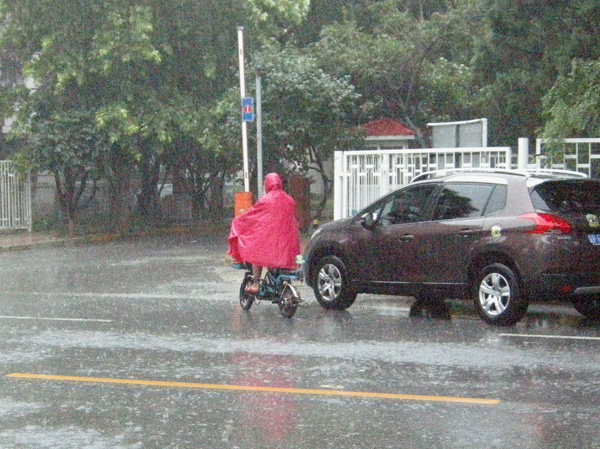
(288, 301)
(246, 299)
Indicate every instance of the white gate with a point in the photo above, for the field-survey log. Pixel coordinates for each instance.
(580, 154)
(363, 176)
(15, 198)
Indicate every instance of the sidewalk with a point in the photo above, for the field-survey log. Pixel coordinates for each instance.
(24, 239)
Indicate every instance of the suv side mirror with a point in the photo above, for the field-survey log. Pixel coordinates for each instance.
(369, 221)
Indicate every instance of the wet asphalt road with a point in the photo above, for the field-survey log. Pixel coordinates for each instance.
(144, 345)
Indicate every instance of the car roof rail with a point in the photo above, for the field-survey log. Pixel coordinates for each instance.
(546, 172)
(556, 172)
(450, 171)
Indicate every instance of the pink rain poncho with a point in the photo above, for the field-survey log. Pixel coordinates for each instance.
(267, 234)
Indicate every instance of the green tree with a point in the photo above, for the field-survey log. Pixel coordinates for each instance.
(529, 44)
(207, 152)
(196, 44)
(406, 68)
(276, 19)
(571, 106)
(83, 56)
(308, 114)
(143, 69)
(70, 146)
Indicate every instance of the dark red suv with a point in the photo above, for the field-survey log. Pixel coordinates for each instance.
(502, 238)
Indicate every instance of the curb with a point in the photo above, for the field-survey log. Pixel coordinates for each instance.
(18, 242)
(59, 242)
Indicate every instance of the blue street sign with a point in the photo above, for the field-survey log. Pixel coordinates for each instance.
(248, 109)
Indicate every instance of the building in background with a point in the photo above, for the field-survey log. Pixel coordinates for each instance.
(387, 133)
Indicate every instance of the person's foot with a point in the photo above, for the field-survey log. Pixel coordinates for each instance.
(252, 287)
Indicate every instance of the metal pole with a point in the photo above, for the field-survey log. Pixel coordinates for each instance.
(523, 149)
(259, 143)
(242, 95)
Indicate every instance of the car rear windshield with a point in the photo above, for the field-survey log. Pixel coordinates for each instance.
(567, 196)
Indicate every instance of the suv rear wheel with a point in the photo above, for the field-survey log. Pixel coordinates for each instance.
(332, 285)
(497, 296)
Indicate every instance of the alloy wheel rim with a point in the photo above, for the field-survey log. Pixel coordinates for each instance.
(330, 282)
(494, 294)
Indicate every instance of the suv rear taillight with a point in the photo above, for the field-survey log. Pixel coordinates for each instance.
(545, 223)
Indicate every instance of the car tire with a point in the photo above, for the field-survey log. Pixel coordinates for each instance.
(588, 306)
(497, 296)
(332, 284)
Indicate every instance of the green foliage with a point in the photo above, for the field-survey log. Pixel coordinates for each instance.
(528, 45)
(571, 106)
(69, 145)
(305, 107)
(308, 113)
(141, 69)
(70, 140)
(276, 18)
(125, 86)
(407, 68)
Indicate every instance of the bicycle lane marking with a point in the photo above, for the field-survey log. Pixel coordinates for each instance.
(256, 389)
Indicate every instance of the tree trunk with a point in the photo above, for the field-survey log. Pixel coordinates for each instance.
(215, 196)
(197, 201)
(147, 199)
(327, 185)
(126, 211)
(65, 194)
(120, 194)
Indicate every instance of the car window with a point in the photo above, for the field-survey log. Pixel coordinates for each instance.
(462, 200)
(407, 205)
(566, 196)
(497, 200)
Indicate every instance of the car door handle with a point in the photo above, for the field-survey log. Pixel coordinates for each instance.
(406, 237)
(465, 232)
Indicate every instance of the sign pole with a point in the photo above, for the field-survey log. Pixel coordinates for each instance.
(242, 95)
(259, 135)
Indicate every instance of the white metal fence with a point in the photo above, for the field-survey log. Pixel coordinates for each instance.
(582, 155)
(15, 198)
(363, 176)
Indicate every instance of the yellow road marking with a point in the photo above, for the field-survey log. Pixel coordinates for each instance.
(248, 388)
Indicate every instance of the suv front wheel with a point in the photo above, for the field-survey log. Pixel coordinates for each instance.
(332, 284)
(497, 296)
